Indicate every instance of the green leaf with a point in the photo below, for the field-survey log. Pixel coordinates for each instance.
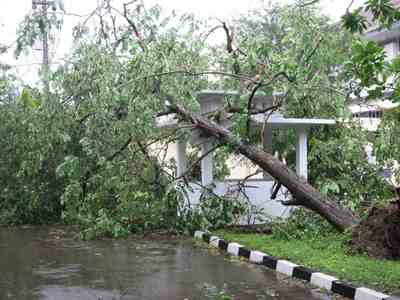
(27, 100)
(354, 21)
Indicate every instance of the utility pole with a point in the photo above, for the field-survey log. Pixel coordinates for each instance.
(45, 37)
(44, 4)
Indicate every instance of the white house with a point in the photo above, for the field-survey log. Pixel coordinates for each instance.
(256, 190)
(370, 114)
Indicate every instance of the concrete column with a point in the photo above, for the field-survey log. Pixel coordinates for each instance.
(181, 164)
(207, 164)
(267, 145)
(301, 152)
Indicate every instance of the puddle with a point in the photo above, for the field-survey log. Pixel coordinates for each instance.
(47, 263)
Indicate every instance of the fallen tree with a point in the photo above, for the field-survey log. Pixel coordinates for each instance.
(303, 194)
(378, 234)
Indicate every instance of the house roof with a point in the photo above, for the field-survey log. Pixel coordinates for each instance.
(278, 121)
(211, 101)
(382, 36)
(377, 105)
(379, 35)
(171, 121)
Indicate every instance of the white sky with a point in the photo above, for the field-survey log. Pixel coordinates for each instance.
(13, 11)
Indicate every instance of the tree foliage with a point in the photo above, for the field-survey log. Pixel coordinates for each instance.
(90, 152)
(84, 154)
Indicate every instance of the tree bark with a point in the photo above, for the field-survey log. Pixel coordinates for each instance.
(302, 192)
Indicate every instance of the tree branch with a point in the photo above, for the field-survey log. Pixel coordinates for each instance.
(210, 32)
(314, 50)
(239, 110)
(188, 73)
(249, 105)
(198, 160)
(120, 150)
(276, 190)
(133, 26)
(229, 38)
(292, 202)
(312, 2)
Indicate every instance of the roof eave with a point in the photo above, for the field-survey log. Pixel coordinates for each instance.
(385, 35)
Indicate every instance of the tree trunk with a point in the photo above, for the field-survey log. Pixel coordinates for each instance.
(302, 192)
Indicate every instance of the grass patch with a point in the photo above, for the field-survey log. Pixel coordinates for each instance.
(328, 254)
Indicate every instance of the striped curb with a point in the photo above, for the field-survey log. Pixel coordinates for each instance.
(290, 269)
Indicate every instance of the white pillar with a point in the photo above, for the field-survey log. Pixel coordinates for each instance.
(301, 152)
(207, 164)
(267, 145)
(181, 164)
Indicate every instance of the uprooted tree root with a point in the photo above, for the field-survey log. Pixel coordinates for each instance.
(379, 234)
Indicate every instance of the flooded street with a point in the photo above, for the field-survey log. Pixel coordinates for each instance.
(48, 263)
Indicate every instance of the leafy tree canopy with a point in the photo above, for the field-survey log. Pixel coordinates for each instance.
(87, 150)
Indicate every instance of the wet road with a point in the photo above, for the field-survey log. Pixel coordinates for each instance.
(48, 263)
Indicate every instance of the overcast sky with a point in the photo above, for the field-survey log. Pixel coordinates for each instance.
(13, 11)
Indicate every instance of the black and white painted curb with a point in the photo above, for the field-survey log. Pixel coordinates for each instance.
(288, 268)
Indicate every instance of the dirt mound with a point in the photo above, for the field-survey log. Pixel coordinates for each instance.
(379, 234)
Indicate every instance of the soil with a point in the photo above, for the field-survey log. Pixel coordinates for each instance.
(379, 234)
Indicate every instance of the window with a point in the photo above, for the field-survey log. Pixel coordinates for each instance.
(372, 114)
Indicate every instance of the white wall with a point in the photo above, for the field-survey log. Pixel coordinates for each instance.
(259, 193)
(392, 49)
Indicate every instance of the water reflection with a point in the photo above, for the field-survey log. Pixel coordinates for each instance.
(48, 263)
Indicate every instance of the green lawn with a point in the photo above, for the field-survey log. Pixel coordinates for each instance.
(328, 254)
